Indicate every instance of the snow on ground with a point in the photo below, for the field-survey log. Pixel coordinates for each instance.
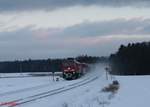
(88, 95)
(133, 91)
(10, 84)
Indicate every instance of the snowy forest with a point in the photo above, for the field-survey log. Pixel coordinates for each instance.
(47, 65)
(133, 59)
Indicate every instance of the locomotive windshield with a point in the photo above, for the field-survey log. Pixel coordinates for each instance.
(68, 63)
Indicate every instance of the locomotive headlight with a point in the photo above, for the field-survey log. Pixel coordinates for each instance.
(65, 70)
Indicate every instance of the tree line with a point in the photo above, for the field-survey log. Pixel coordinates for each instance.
(133, 59)
(47, 65)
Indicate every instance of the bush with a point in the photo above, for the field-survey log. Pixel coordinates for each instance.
(113, 87)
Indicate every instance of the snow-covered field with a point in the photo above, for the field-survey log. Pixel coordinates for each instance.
(134, 92)
(83, 92)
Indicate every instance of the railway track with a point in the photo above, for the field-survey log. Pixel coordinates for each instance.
(27, 89)
(45, 94)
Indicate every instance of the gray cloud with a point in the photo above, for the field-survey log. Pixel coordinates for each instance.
(113, 27)
(26, 43)
(18, 5)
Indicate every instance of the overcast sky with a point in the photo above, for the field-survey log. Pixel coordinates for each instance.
(39, 29)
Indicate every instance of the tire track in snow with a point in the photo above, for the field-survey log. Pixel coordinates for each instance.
(23, 90)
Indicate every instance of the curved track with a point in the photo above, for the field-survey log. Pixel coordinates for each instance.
(41, 95)
(27, 89)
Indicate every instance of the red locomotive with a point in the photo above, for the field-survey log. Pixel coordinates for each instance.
(73, 69)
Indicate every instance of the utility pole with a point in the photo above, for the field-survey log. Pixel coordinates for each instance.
(106, 69)
(53, 75)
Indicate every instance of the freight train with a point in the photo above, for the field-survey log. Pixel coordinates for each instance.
(73, 69)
